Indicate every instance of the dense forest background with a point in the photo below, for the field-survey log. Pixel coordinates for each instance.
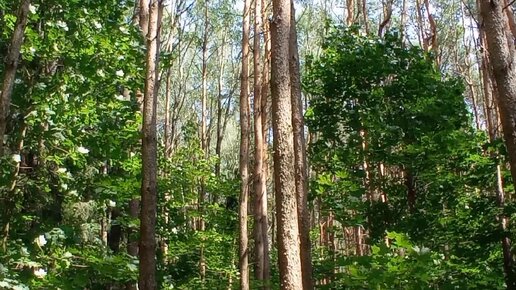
(257, 144)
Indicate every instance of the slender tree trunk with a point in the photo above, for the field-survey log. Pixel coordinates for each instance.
(420, 27)
(11, 65)
(220, 109)
(284, 174)
(147, 246)
(204, 138)
(500, 44)
(403, 20)
(143, 17)
(300, 157)
(167, 113)
(265, 129)
(244, 150)
(387, 14)
(204, 97)
(260, 186)
(350, 8)
(433, 37)
(365, 17)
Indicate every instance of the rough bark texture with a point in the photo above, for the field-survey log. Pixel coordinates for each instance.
(11, 64)
(244, 151)
(259, 183)
(501, 56)
(300, 157)
(284, 175)
(147, 245)
(265, 129)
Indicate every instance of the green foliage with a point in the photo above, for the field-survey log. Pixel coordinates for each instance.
(389, 126)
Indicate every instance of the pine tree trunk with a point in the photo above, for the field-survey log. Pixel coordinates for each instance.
(260, 185)
(265, 129)
(147, 245)
(300, 157)
(500, 43)
(284, 175)
(244, 151)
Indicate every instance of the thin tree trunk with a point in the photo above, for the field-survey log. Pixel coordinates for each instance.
(350, 7)
(204, 138)
(265, 129)
(244, 150)
(501, 55)
(260, 186)
(11, 65)
(403, 20)
(167, 113)
(434, 44)
(220, 110)
(365, 16)
(204, 96)
(421, 28)
(387, 14)
(300, 157)
(147, 245)
(284, 174)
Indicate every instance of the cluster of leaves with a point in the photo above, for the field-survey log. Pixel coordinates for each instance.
(395, 152)
(72, 165)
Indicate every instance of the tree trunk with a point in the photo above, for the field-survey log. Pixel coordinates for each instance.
(147, 246)
(284, 174)
(403, 20)
(501, 55)
(220, 109)
(11, 64)
(350, 9)
(300, 157)
(265, 129)
(387, 14)
(204, 96)
(244, 151)
(434, 44)
(260, 185)
(167, 114)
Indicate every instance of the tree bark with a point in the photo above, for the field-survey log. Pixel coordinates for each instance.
(204, 96)
(220, 109)
(260, 183)
(244, 150)
(387, 14)
(501, 56)
(434, 44)
(147, 245)
(11, 65)
(403, 20)
(284, 175)
(300, 157)
(265, 129)
(167, 113)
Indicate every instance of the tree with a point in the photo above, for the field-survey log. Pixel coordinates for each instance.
(300, 166)
(261, 243)
(284, 174)
(244, 150)
(501, 49)
(11, 64)
(149, 190)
